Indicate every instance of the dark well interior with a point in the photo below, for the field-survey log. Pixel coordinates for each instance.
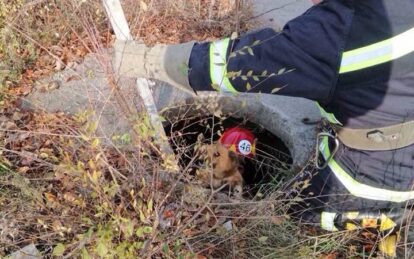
(270, 166)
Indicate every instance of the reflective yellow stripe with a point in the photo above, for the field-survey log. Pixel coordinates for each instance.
(386, 223)
(359, 189)
(329, 116)
(218, 66)
(328, 221)
(378, 53)
(351, 226)
(388, 245)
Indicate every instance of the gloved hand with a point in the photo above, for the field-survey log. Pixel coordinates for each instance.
(168, 63)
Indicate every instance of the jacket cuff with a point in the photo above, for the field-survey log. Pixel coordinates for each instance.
(199, 68)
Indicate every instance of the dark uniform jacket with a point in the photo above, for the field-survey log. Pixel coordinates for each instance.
(355, 59)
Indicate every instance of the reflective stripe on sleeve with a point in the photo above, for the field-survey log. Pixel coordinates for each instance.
(378, 53)
(327, 221)
(359, 189)
(218, 66)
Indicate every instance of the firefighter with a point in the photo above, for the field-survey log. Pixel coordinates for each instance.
(356, 60)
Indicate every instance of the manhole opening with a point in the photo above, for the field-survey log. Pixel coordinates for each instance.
(269, 168)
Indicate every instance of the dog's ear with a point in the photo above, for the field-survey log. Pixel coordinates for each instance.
(233, 157)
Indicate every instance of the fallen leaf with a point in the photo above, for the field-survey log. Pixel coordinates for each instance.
(263, 239)
(59, 249)
(329, 256)
(143, 6)
(55, 84)
(70, 197)
(50, 197)
(73, 78)
(56, 225)
(277, 220)
(59, 65)
(23, 169)
(168, 214)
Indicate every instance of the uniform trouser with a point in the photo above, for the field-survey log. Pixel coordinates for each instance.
(320, 191)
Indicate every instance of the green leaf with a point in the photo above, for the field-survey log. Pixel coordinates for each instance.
(244, 78)
(85, 254)
(59, 250)
(231, 74)
(140, 232)
(256, 78)
(233, 55)
(263, 239)
(101, 249)
(128, 229)
(150, 206)
(139, 245)
(275, 90)
(248, 86)
(90, 232)
(142, 217)
(126, 138)
(250, 73)
(165, 248)
(177, 246)
(264, 73)
(281, 71)
(250, 50)
(87, 220)
(241, 52)
(147, 230)
(256, 42)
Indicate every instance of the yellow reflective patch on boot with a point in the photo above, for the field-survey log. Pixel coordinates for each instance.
(352, 215)
(369, 223)
(386, 223)
(351, 226)
(388, 245)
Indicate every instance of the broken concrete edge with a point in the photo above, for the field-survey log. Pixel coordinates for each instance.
(280, 115)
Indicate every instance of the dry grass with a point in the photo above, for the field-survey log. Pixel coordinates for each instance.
(75, 194)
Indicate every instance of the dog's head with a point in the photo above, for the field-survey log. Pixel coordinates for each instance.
(223, 161)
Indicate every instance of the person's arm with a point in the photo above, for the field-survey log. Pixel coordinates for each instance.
(301, 61)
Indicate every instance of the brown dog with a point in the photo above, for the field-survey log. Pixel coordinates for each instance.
(226, 168)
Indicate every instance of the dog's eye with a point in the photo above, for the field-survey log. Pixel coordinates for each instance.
(217, 154)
